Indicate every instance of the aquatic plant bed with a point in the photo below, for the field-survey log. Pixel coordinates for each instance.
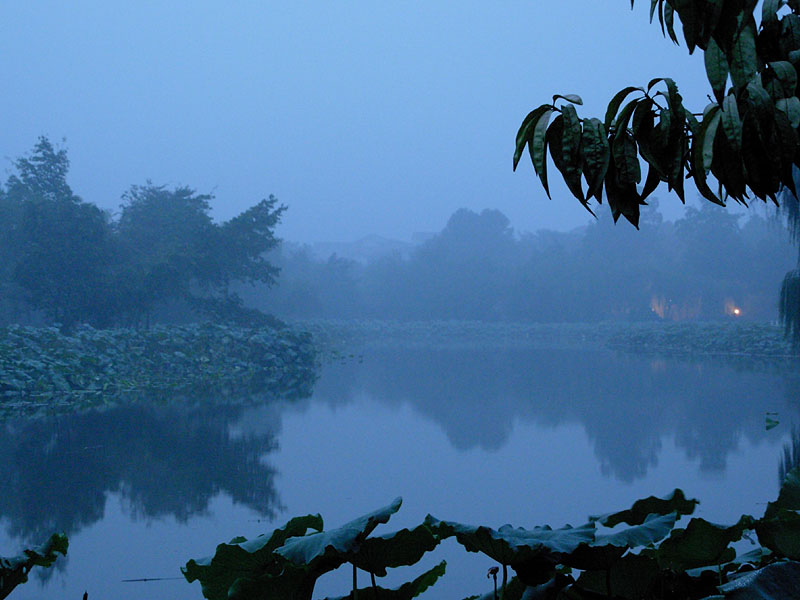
(43, 366)
(717, 339)
(336, 339)
(354, 335)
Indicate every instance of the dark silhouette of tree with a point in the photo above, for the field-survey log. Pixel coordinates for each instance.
(67, 259)
(61, 244)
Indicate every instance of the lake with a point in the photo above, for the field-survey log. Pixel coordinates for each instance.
(525, 435)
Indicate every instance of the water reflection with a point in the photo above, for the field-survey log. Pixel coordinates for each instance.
(162, 460)
(626, 404)
(170, 460)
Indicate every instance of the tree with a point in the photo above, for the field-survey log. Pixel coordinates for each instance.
(746, 138)
(58, 246)
(162, 235)
(172, 250)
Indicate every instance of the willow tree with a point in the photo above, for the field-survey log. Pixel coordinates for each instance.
(743, 145)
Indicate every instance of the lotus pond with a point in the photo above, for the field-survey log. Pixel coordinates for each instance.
(484, 427)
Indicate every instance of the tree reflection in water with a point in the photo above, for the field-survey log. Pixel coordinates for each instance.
(162, 460)
(628, 405)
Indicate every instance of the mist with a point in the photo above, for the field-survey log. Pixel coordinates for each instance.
(290, 308)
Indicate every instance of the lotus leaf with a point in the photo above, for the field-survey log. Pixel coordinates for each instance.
(641, 509)
(606, 549)
(243, 559)
(701, 543)
(532, 553)
(778, 581)
(14, 570)
(400, 548)
(789, 495)
(630, 577)
(407, 591)
(326, 550)
(781, 533)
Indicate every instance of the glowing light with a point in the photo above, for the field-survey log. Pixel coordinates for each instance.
(731, 309)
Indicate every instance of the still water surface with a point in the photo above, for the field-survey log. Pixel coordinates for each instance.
(524, 436)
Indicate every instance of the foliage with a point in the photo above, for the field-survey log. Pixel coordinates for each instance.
(44, 365)
(287, 562)
(14, 570)
(746, 137)
(58, 246)
(649, 559)
(477, 269)
(75, 264)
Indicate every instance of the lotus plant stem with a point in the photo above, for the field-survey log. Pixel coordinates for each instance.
(493, 574)
(374, 587)
(355, 584)
(505, 579)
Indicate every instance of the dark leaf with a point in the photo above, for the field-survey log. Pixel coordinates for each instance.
(743, 59)
(786, 74)
(514, 546)
(716, 69)
(630, 577)
(525, 133)
(14, 570)
(538, 150)
(788, 497)
(244, 559)
(571, 161)
(701, 543)
(626, 158)
(638, 513)
(574, 98)
(775, 581)
(407, 591)
(336, 545)
(731, 124)
(596, 155)
(669, 21)
(400, 548)
(703, 152)
(616, 101)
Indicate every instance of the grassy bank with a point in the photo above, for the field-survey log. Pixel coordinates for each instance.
(41, 366)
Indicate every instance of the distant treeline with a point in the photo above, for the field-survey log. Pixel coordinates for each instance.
(162, 258)
(711, 264)
(66, 261)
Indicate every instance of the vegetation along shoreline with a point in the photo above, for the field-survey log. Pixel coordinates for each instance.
(43, 367)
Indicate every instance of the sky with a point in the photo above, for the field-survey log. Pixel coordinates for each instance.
(361, 117)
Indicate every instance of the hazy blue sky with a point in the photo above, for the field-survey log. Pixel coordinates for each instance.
(362, 117)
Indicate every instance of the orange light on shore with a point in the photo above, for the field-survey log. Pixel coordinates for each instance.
(731, 309)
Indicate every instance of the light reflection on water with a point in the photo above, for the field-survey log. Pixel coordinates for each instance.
(521, 436)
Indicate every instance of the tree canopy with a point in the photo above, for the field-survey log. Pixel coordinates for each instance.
(746, 138)
(72, 262)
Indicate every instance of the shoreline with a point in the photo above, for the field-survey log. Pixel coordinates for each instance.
(41, 368)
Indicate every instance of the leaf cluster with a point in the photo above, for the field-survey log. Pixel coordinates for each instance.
(14, 570)
(43, 367)
(637, 553)
(746, 138)
(288, 562)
